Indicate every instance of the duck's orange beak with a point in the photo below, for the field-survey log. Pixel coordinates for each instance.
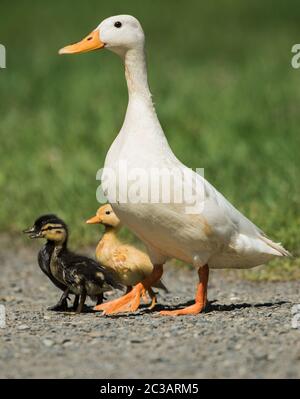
(94, 220)
(89, 43)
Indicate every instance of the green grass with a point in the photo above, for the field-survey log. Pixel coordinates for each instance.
(225, 93)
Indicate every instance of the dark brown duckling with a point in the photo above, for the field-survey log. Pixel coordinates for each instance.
(72, 273)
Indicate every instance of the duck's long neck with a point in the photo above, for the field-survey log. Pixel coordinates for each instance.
(141, 127)
(140, 100)
(136, 75)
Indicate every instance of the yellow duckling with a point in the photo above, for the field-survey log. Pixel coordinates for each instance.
(129, 264)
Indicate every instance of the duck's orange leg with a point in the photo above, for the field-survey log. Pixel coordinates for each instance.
(201, 296)
(131, 301)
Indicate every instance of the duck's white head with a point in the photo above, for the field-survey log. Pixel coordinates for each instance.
(118, 34)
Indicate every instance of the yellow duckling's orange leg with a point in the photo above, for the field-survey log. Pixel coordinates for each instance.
(201, 297)
(145, 296)
(153, 299)
(131, 301)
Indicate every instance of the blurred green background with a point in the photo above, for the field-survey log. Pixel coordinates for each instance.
(224, 89)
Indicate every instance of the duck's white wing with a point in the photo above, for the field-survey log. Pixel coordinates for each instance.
(246, 233)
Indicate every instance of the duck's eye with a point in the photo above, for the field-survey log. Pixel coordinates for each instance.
(118, 24)
(107, 212)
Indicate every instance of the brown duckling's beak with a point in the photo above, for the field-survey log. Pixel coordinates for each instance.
(32, 233)
(94, 220)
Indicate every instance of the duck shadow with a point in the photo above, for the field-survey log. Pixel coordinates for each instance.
(212, 306)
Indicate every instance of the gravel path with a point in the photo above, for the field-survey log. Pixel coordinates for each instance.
(245, 333)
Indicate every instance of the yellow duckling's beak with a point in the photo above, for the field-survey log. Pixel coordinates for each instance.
(94, 220)
(89, 43)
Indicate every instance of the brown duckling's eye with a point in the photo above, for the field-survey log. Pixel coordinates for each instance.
(107, 212)
(118, 24)
(47, 228)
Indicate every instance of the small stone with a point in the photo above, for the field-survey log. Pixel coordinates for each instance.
(95, 334)
(25, 351)
(48, 342)
(17, 289)
(271, 356)
(23, 327)
(7, 298)
(67, 342)
(136, 341)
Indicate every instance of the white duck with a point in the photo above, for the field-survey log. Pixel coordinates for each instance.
(218, 236)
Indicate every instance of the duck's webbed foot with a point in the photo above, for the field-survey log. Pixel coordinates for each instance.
(190, 310)
(131, 301)
(106, 305)
(201, 297)
(62, 304)
(127, 303)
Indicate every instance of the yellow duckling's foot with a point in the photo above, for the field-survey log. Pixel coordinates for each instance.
(127, 303)
(106, 305)
(131, 301)
(103, 306)
(145, 297)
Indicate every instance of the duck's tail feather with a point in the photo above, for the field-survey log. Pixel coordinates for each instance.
(280, 250)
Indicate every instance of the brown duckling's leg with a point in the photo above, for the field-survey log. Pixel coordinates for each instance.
(128, 289)
(76, 302)
(81, 302)
(100, 299)
(62, 304)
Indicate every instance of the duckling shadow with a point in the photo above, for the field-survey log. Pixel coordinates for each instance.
(72, 312)
(212, 306)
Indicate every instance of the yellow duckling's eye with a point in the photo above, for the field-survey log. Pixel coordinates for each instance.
(107, 212)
